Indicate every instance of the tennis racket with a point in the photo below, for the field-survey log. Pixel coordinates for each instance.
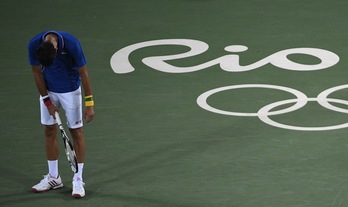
(69, 149)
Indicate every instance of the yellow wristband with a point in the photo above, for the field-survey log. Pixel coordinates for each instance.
(89, 103)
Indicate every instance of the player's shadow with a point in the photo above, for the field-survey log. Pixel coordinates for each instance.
(144, 163)
(18, 192)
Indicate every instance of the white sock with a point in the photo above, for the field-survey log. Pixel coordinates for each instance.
(53, 168)
(78, 175)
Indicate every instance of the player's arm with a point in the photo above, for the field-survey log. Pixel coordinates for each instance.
(87, 89)
(39, 81)
(41, 87)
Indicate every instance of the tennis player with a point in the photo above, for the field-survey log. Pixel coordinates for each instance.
(59, 67)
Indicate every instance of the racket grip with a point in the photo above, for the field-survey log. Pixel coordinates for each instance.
(59, 122)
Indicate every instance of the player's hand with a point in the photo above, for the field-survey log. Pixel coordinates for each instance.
(89, 113)
(52, 110)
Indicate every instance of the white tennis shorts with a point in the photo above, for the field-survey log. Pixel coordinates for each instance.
(71, 102)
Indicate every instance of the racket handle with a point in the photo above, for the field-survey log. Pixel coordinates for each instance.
(59, 122)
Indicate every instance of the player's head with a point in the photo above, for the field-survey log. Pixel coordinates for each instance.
(46, 53)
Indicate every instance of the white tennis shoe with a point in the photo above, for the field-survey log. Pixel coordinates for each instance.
(78, 190)
(47, 183)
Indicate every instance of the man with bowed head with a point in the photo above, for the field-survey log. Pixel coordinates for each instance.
(59, 69)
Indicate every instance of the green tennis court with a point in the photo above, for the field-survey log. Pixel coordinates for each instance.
(199, 103)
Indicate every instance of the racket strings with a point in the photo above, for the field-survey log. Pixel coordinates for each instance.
(70, 153)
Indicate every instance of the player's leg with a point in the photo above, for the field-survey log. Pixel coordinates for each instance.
(79, 144)
(51, 142)
(51, 139)
(52, 180)
(52, 149)
(80, 149)
(72, 104)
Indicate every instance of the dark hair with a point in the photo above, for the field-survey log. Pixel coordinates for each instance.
(46, 53)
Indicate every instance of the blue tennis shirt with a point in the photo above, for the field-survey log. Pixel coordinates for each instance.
(62, 76)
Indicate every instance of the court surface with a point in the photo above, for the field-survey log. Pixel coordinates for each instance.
(262, 138)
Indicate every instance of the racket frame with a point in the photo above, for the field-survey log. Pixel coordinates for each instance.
(68, 147)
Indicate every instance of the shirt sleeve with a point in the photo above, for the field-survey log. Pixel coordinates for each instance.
(76, 52)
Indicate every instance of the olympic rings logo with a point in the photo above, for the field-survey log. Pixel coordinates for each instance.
(266, 111)
(120, 64)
